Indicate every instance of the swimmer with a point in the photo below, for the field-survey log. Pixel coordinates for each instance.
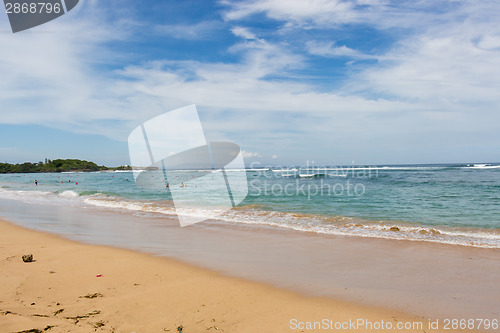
(36, 182)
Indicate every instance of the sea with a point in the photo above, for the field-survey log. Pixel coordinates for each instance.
(455, 204)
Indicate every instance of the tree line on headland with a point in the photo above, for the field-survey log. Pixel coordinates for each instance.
(59, 165)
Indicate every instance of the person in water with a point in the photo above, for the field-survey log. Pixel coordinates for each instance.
(36, 182)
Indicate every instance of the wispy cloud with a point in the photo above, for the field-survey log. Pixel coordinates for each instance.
(328, 49)
(197, 31)
(382, 14)
(442, 65)
(299, 12)
(243, 33)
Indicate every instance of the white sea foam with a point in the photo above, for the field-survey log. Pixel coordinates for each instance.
(42, 197)
(302, 175)
(68, 194)
(342, 226)
(361, 168)
(20, 194)
(483, 166)
(285, 170)
(131, 205)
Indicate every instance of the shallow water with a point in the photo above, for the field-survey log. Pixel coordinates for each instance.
(452, 204)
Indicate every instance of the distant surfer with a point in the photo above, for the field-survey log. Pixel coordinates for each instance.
(36, 182)
(168, 185)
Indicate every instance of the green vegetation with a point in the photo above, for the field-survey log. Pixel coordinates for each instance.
(121, 167)
(58, 165)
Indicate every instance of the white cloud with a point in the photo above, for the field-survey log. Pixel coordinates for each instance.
(327, 49)
(489, 42)
(243, 33)
(49, 74)
(381, 14)
(297, 11)
(196, 31)
(441, 66)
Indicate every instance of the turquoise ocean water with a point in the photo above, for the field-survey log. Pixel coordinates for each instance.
(454, 204)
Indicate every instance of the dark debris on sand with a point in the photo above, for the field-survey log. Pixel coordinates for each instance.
(88, 315)
(36, 330)
(90, 296)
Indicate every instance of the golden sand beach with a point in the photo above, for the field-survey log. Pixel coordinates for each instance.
(73, 287)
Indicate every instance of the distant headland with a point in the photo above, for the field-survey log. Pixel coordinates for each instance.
(59, 165)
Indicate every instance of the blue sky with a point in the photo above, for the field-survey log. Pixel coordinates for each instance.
(329, 81)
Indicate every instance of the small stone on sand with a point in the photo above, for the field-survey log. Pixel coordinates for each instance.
(28, 258)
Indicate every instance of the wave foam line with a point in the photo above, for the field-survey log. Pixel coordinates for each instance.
(332, 225)
(256, 215)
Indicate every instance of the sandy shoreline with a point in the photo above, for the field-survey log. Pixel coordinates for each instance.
(432, 280)
(141, 293)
